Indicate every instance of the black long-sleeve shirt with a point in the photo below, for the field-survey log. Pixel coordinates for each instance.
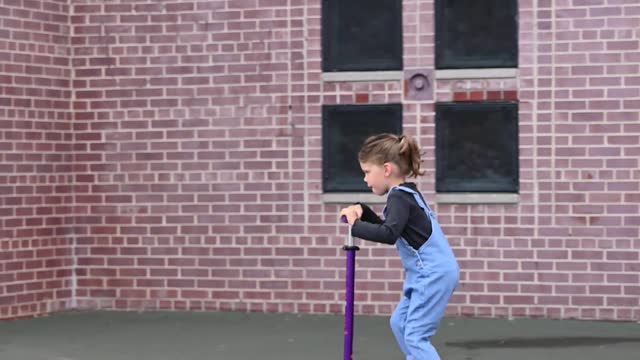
(404, 218)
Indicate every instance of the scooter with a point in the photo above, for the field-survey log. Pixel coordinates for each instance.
(351, 249)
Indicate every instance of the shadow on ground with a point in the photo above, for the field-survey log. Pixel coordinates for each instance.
(543, 342)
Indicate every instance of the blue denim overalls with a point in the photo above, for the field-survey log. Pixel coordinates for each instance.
(432, 274)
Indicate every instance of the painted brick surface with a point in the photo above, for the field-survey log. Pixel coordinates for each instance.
(36, 185)
(184, 146)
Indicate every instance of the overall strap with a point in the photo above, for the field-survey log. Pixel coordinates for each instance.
(418, 198)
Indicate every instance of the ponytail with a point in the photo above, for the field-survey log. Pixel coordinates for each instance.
(410, 151)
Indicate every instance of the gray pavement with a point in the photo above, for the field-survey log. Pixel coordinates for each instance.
(241, 336)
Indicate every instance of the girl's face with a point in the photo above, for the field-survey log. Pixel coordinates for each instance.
(377, 177)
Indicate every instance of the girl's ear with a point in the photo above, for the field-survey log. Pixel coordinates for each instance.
(388, 168)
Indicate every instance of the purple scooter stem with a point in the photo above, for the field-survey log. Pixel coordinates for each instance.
(349, 296)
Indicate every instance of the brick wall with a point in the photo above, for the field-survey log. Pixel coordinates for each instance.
(36, 195)
(188, 155)
(585, 100)
(197, 162)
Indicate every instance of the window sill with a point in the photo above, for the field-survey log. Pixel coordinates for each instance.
(477, 198)
(362, 76)
(450, 198)
(350, 198)
(477, 74)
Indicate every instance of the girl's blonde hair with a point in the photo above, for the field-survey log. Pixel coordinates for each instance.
(401, 150)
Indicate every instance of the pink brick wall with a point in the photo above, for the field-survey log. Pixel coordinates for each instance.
(36, 195)
(581, 94)
(197, 162)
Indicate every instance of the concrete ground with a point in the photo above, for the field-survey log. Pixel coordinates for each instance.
(241, 336)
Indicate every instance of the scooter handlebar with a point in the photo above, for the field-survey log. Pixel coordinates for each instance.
(349, 237)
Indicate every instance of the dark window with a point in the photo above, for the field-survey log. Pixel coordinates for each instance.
(361, 35)
(476, 34)
(344, 129)
(477, 147)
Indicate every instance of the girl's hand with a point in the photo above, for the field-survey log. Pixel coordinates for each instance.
(352, 213)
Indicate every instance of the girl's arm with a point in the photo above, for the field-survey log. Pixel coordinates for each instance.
(389, 230)
(369, 215)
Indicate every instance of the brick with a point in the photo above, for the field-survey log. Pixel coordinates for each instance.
(586, 301)
(362, 98)
(460, 96)
(476, 96)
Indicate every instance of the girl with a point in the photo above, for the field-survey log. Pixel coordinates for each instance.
(431, 269)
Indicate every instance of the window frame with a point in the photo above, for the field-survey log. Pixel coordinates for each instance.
(332, 187)
(445, 185)
(510, 58)
(331, 60)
